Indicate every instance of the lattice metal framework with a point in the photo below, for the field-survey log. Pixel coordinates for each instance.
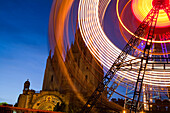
(150, 20)
(145, 58)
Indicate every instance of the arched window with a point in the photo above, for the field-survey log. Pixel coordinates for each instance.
(86, 77)
(52, 78)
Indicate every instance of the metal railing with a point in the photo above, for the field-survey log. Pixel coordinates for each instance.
(11, 109)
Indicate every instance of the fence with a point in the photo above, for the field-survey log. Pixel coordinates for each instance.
(11, 109)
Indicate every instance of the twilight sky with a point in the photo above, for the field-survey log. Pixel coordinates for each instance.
(23, 45)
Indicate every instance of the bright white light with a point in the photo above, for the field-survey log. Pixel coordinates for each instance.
(104, 50)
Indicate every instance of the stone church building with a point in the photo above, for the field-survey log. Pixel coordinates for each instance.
(84, 74)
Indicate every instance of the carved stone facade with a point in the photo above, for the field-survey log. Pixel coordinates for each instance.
(84, 70)
(84, 74)
(43, 100)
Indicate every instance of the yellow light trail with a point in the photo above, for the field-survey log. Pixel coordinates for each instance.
(161, 18)
(141, 8)
(104, 50)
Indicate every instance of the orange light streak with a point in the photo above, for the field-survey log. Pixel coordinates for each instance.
(58, 20)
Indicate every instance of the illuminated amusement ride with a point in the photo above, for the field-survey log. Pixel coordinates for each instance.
(143, 65)
(139, 72)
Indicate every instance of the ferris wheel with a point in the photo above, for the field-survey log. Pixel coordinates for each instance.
(130, 39)
(142, 66)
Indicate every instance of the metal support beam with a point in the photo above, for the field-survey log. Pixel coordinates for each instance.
(144, 60)
(134, 41)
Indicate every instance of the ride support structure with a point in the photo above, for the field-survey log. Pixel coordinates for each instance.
(149, 21)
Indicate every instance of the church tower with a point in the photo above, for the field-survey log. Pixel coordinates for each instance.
(83, 75)
(26, 87)
(84, 70)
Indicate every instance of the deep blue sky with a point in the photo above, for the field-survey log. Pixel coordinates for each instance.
(23, 45)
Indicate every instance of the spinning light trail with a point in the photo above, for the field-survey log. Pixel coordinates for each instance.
(142, 7)
(163, 19)
(104, 50)
(90, 20)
